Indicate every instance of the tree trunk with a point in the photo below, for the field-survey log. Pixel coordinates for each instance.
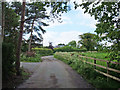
(3, 20)
(29, 47)
(20, 40)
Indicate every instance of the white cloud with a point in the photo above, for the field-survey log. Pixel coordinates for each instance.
(86, 19)
(66, 20)
(60, 37)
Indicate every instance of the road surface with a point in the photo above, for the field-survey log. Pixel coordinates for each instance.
(52, 73)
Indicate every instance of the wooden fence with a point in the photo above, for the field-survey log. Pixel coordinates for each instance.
(107, 67)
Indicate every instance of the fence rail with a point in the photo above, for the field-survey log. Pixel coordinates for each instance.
(100, 59)
(107, 67)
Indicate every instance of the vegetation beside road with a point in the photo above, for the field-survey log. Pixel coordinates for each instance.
(69, 49)
(36, 58)
(86, 70)
(35, 55)
(15, 81)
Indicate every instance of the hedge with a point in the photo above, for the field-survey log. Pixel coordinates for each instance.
(69, 49)
(43, 51)
(8, 59)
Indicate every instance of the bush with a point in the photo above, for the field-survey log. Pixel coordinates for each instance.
(24, 47)
(36, 58)
(8, 59)
(30, 54)
(69, 49)
(43, 51)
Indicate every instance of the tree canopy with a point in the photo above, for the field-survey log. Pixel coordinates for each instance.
(88, 41)
(106, 13)
(72, 43)
(11, 25)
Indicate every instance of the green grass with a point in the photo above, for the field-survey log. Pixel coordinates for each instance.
(36, 58)
(87, 70)
(98, 55)
(43, 51)
(15, 80)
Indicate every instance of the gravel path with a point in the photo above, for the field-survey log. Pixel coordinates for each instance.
(52, 73)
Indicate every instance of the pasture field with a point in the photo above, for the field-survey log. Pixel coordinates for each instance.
(97, 55)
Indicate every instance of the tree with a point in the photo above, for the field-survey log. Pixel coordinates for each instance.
(11, 26)
(3, 20)
(106, 13)
(35, 41)
(61, 45)
(50, 46)
(34, 24)
(87, 40)
(57, 8)
(36, 11)
(20, 39)
(72, 43)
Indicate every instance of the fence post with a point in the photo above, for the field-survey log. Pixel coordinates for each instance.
(86, 60)
(95, 63)
(107, 70)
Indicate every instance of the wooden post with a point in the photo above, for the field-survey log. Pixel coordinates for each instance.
(107, 71)
(86, 60)
(94, 63)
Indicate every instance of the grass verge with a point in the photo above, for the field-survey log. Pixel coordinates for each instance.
(87, 71)
(36, 58)
(15, 81)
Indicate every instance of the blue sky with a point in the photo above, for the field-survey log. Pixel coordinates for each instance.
(75, 23)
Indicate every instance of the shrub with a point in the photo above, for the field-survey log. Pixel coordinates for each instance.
(36, 58)
(24, 47)
(8, 59)
(43, 51)
(30, 54)
(69, 49)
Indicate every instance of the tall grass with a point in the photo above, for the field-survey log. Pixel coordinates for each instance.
(86, 70)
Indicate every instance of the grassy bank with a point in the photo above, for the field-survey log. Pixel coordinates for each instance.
(35, 55)
(86, 70)
(15, 81)
(36, 58)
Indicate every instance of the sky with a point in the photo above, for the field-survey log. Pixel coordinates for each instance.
(75, 23)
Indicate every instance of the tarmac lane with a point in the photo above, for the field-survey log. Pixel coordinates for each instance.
(52, 73)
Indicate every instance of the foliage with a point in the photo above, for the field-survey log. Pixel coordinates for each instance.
(57, 8)
(11, 25)
(86, 70)
(36, 58)
(30, 54)
(69, 49)
(8, 59)
(72, 43)
(33, 23)
(88, 41)
(24, 47)
(100, 55)
(43, 51)
(15, 81)
(51, 46)
(61, 44)
(108, 26)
